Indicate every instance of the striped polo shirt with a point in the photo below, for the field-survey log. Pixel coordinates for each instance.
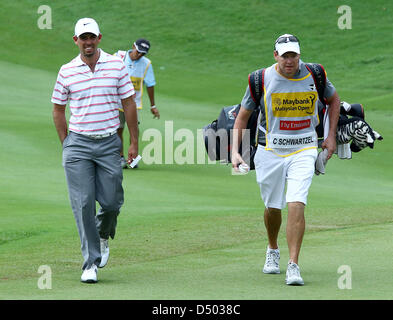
(93, 97)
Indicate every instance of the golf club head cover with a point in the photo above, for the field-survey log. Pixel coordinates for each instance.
(359, 132)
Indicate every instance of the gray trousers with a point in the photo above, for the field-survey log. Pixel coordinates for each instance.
(93, 172)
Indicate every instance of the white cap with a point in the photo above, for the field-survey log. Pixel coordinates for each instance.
(86, 25)
(287, 43)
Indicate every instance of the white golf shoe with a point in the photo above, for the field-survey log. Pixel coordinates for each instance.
(89, 275)
(272, 262)
(293, 276)
(104, 252)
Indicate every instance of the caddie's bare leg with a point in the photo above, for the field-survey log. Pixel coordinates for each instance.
(295, 229)
(272, 219)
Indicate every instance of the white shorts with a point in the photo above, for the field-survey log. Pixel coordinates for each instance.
(273, 173)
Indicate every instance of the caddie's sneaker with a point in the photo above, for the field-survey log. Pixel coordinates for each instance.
(89, 275)
(293, 275)
(272, 262)
(104, 252)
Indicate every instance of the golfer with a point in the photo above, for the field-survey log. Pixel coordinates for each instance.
(141, 73)
(287, 147)
(91, 83)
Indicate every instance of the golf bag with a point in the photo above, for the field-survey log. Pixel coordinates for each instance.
(351, 126)
(218, 136)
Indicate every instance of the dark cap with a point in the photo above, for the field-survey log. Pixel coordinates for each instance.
(142, 45)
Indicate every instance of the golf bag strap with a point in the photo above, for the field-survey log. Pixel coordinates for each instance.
(319, 75)
(256, 84)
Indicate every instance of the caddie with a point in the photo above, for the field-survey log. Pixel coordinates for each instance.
(287, 146)
(141, 73)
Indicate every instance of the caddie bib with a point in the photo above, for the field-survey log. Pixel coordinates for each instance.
(291, 112)
(137, 71)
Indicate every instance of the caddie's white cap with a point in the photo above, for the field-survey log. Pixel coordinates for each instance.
(86, 25)
(287, 43)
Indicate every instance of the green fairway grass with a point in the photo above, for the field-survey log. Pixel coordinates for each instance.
(195, 231)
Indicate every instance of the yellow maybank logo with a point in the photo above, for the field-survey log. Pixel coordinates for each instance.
(136, 82)
(293, 104)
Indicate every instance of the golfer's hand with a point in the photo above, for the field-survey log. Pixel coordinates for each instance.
(155, 113)
(236, 160)
(132, 152)
(329, 144)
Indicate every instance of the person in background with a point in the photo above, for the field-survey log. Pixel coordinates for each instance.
(141, 73)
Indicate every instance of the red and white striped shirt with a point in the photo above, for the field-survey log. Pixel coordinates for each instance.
(93, 97)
